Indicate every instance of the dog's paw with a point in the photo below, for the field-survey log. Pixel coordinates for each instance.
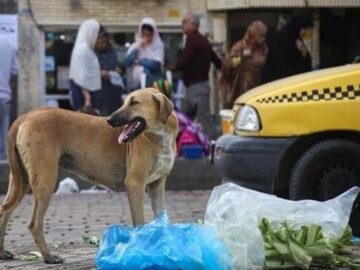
(6, 255)
(52, 259)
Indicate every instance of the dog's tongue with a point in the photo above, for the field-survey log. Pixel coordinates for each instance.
(124, 134)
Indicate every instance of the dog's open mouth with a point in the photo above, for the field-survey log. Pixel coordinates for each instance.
(132, 130)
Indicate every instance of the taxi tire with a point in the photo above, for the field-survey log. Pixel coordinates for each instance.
(322, 154)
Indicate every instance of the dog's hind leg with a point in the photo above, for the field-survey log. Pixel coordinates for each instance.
(43, 185)
(7, 208)
(4, 218)
(18, 186)
(157, 196)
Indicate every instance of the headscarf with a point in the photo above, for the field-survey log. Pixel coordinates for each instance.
(248, 41)
(84, 64)
(300, 20)
(254, 29)
(153, 51)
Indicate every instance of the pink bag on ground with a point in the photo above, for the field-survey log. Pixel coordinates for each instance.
(191, 133)
(185, 138)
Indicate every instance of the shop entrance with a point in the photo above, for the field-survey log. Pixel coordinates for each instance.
(339, 36)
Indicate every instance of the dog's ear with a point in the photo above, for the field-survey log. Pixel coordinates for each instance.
(165, 106)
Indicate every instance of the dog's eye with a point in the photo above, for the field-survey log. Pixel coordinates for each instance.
(133, 102)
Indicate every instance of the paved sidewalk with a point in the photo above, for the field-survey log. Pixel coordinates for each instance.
(71, 216)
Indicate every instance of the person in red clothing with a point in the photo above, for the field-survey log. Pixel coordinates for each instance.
(194, 62)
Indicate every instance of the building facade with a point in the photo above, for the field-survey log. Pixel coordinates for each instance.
(336, 36)
(47, 31)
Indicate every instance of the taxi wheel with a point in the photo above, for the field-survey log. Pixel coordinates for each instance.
(326, 170)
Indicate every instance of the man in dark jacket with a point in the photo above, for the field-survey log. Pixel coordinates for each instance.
(288, 54)
(194, 63)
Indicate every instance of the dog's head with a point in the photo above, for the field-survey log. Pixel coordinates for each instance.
(145, 110)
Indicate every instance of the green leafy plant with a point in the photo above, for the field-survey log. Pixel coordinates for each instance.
(286, 247)
(93, 240)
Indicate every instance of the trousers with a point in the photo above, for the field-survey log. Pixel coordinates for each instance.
(5, 106)
(196, 105)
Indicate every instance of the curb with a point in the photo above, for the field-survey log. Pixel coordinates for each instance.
(185, 175)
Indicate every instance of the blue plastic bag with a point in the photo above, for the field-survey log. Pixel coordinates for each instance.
(160, 245)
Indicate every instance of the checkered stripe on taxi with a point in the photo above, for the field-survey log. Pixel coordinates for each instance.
(338, 93)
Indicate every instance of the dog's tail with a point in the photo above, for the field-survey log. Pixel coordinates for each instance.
(18, 177)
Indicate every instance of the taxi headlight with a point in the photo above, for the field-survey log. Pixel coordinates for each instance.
(247, 119)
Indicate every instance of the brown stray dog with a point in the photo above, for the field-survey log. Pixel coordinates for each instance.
(140, 158)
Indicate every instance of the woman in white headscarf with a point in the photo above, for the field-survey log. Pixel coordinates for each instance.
(145, 55)
(85, 74)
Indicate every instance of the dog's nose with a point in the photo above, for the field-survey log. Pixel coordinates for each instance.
(117, 120)
(111, 121)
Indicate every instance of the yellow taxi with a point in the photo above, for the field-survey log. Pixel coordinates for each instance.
(298, 137)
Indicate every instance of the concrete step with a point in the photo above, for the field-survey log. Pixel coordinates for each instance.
(186, 175)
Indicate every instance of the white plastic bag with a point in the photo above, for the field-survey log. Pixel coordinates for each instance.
(235, 212)
(116, 79)
(67, 186)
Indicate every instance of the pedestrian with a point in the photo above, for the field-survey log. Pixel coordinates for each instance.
(110, 94)
(8, 67)
(288, 54)
(144, 56)
(242, 69)
(194, 62)
(85, 76)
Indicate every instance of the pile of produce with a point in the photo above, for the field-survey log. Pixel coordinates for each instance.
(287, 247)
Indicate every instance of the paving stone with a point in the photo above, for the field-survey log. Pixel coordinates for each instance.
(71, 216)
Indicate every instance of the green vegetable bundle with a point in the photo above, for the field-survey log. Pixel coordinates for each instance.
(286, 247)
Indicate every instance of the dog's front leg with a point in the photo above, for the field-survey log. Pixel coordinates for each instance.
(157, 196)
(136, 193)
